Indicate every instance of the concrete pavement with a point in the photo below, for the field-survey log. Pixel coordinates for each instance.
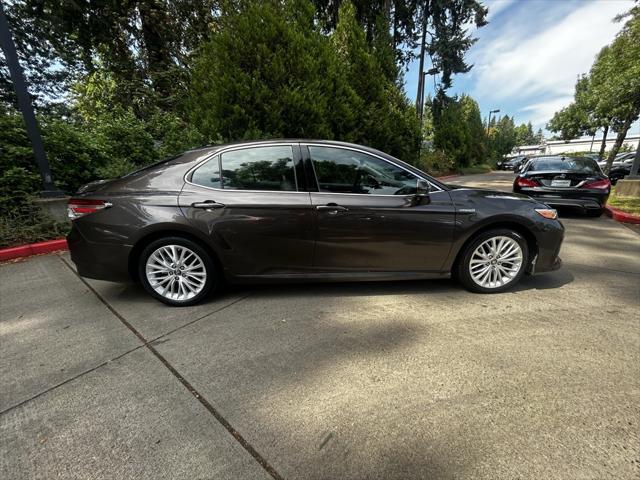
(376, 380)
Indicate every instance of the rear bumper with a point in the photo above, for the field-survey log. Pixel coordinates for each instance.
(575, 199)
(102, 261)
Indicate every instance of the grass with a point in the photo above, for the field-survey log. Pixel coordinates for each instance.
(475, 169)
(626, 204)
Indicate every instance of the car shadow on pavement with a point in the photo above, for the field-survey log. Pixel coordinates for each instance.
(134, 292)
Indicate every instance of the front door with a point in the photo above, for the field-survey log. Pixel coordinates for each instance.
(369, 218)
(247, 200)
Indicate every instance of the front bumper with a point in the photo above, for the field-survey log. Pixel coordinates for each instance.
(549, 242)
(102, 261)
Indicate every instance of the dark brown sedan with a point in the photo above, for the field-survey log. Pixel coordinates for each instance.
(294, 210)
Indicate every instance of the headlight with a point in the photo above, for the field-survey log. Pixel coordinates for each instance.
(549, 213)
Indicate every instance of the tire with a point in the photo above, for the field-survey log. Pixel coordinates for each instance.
(161, 260)
(510, 245)
(595, 213)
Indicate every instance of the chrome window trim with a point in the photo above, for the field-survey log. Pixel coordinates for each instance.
(371, 155)
(291, 144)
(219, 153)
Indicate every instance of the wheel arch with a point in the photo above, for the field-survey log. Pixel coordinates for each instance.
(167, 231)
(527, 234)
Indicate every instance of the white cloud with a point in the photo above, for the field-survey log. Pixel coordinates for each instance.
(523, 63)
(540, 113)
(496, 6)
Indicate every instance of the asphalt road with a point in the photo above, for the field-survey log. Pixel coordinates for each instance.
(359, 381)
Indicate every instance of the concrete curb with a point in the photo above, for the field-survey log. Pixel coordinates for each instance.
(621, 216)
(446, 177)
(32, 249)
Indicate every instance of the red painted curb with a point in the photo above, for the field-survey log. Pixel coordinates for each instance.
(33, 249)
(447, 177)
(621, 216)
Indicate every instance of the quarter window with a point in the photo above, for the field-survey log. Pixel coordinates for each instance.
(259, 168)
(340, 170)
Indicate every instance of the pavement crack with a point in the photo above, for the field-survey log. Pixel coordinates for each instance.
(69, 380)
(197, 395)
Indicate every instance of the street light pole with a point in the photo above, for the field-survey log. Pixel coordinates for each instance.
(24, 102)
(635, 167)
(489, 119)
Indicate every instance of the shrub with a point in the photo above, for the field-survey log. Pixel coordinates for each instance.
(435, 162)
(20, 220)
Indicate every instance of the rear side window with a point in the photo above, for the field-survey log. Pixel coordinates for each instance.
(258, 168)
(347, 171)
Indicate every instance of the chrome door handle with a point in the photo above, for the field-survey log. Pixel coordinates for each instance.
(332, 208)
(209, 204)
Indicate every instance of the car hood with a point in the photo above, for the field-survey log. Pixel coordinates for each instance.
(465, 197)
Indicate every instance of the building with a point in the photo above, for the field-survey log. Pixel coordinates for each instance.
(553, 147)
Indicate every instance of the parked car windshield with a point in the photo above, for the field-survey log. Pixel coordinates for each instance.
(563, 164)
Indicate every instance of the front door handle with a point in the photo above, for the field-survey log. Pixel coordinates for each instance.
(208, 205)
(332, 208)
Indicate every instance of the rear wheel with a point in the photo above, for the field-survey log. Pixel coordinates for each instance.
(177, 271)
(594, 212)
(493, 262)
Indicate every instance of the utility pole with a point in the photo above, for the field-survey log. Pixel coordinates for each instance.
(423, 41)
(24, 102)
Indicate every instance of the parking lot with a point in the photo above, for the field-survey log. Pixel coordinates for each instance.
(376, 380)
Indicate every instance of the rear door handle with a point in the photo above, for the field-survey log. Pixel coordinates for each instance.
(208, 205)
(332, 208)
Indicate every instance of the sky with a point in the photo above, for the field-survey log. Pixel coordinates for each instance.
(527, 59)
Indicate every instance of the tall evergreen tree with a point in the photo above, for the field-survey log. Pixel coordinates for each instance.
(288, 79)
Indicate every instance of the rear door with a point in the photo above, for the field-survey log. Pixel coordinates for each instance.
(368, 218)
(250, 201)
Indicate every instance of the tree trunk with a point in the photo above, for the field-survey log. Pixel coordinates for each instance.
(603, 145)
(153, 19)
(616, 146)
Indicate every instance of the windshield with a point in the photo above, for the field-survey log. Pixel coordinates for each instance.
(564, 164)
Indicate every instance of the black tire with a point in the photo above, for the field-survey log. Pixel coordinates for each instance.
(595, 213)
(462, 273)
(212, 275)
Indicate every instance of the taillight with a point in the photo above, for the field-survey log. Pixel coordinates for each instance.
(79, 207)
(525, 182)
(603, 184)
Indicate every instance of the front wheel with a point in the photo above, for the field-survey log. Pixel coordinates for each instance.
(493, 262)
(177, 271)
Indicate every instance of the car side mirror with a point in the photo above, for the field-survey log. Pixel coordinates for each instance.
(423, 188)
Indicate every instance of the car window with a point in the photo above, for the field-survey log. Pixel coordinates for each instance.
(208, 174)
(565, 164)
(340, 170)
(258, 168)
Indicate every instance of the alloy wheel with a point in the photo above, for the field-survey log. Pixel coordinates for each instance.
(496, 262)
(176, 272)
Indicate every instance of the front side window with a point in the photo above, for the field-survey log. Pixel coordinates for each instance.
(257, 168)
(348, 171)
